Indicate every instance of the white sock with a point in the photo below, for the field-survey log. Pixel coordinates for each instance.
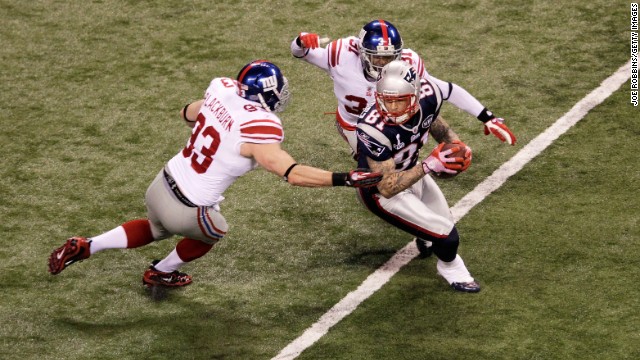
(454, 271)
(171, 263)
(113, 239)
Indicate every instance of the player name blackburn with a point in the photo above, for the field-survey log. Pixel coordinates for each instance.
(219, 111)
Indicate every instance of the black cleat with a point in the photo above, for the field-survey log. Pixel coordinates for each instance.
(469, 287)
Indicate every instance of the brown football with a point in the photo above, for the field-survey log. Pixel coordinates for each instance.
(460, 153)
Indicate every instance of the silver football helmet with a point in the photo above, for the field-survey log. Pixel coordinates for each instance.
(397, 92)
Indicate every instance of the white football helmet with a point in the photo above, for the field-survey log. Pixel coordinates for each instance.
(397, 92)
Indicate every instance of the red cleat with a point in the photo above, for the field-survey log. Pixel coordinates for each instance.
(75, 249)
(170, 279)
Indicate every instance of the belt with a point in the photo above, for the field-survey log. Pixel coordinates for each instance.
(176, 190)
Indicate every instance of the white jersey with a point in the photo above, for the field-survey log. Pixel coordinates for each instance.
(341, 60)
(211, 160)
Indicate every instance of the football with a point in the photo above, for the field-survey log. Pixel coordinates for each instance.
(460, 153)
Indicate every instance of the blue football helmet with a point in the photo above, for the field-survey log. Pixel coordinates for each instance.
(380, 43)
(263, 82)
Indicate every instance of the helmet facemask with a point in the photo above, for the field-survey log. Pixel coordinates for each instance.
(396, 109)
(374, 60)
(274, 100)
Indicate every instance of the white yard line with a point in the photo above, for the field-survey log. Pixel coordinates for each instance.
(380, 277)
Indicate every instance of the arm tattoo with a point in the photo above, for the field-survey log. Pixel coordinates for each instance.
(394, 181)
(441, 131)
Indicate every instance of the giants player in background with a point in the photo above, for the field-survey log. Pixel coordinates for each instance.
(390, 136)
(353, 63)
(235, 129)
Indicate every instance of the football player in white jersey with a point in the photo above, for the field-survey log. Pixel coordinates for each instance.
(353, 63)
(390, 136)
(235, 129)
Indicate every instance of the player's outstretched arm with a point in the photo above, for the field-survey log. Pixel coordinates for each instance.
(463, 100)
(275, 160)
(310, 47)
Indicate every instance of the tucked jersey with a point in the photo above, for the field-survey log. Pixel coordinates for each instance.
(211, 160)
(341, 60)
(380, 141)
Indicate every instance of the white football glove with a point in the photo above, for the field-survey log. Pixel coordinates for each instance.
(438, 162)
(497, 127)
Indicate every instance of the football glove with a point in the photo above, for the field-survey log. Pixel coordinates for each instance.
(361, 178)
(497, 127)
(438, 162)
(468, 155)
(309, 40)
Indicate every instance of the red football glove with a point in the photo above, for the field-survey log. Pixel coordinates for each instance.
(466, 162)
(309, 40)
(362, 178)
(497, 127)
(438, 162)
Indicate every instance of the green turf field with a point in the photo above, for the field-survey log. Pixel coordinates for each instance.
(89, 114)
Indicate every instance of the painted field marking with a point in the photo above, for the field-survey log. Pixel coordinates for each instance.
(382, 275)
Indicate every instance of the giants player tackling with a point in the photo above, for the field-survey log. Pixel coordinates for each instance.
(235, 129)
(390, 136)
(353, 63)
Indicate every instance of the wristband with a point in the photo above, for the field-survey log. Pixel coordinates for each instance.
(184, 113)
(485, 115)
(339, 179)
(286, 173)
(299, 43)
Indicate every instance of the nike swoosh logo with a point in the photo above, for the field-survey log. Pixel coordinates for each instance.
(59, 256)
(166, 279)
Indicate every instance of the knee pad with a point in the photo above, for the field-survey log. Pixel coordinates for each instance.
(447, 248)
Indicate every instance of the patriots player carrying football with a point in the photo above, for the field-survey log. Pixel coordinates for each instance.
(353, 63)
(235, 129)
(390, 135)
